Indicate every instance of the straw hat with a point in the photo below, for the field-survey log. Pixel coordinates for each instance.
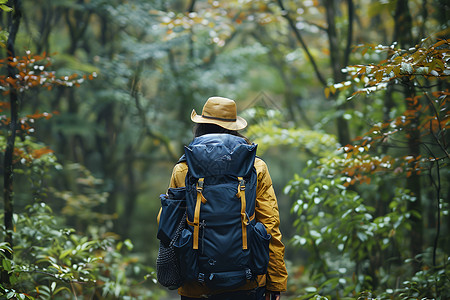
(220, 111)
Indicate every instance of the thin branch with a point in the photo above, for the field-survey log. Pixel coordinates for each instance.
(73, 290)
(141, 111)
(69, 281)
(278, 64)
(436, 113)
(315, 25)
(213, 56)
(427, 87)
(180, 87)
(438, 197)
(302, 42)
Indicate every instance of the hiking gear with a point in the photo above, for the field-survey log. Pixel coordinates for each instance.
(223, 246)
(266, 213)
(168, 271)
(173, 207)
(220, 111)
(172, 221)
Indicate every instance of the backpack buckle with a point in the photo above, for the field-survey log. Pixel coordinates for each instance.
(248, 274)
(200, 184)
(201, 278)
(242, 184)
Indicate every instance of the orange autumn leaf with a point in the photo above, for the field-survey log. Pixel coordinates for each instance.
(39, 152)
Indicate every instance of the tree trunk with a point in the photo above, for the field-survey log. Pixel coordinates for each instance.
(413, 182)
(8, 159)
(403, 25)
(343, 130)
(77, 22)
(403, 35)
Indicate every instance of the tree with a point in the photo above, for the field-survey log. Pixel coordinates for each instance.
(8, 158)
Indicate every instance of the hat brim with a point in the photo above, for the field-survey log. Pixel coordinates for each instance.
(239, 124)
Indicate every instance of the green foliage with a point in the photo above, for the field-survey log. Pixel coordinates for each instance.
(82, 198)
(270, 131)
(5, 7)
(3, 38)
(52, 260)
(355, 235)
(350, 247)
(34, 163)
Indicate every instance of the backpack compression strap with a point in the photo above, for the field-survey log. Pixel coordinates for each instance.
(200, 199)
(244, 217)
(245, 220)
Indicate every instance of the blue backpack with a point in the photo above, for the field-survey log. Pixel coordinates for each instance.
(222, 246)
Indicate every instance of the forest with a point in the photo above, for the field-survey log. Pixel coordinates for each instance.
(347, 101)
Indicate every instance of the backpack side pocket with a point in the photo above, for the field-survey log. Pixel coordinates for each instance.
(173, 206)
(187, 256)
(259, 249)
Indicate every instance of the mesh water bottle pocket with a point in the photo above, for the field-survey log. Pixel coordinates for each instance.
(259, 249)
(168, 268)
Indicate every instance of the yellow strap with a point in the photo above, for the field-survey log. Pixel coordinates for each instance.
(244, 218)
(200, 184)
(200, 199)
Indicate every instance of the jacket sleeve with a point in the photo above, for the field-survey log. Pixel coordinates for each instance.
(267, 213)
(178, 175)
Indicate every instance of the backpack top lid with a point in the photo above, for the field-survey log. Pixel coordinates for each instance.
(220, 154)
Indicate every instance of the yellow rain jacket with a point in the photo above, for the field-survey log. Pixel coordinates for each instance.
(267, 213)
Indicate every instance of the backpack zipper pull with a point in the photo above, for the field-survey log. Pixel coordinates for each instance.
(202, 227)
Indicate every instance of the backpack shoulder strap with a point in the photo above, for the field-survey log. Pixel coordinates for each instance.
(182, 159)
(244, 216)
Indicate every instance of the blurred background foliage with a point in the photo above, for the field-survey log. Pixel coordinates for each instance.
(346, 99)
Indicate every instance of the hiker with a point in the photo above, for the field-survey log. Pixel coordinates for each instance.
(219, 118)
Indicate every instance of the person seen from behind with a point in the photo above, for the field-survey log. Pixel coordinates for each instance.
(219, 119)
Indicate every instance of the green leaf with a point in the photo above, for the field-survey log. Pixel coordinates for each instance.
(5, 8)
(65, 253)
(3, 38)
(60, 289)
(128, 244)
(6, 263)
(13, 278)
(44, 290)
(5, 246)
(333, 282)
